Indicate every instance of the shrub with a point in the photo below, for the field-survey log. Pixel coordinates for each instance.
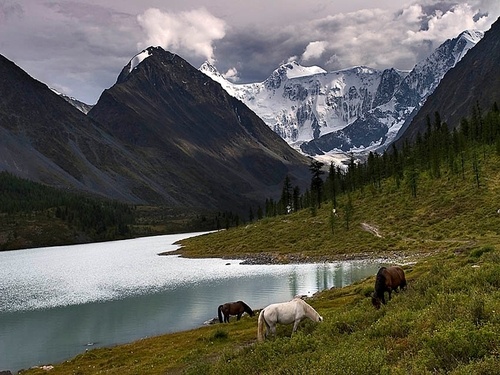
(397, 324)
(477, 253)
(456, 343)
(353, 356)
(486, 366)
(220, 334)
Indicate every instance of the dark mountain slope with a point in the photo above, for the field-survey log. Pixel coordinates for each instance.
(45, 139)
(170, 136)
(474, 80)
(202, 145)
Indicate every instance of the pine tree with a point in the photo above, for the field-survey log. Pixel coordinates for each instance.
(316, 182)
(286, 197)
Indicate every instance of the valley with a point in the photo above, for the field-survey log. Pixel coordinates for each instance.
(167, 149)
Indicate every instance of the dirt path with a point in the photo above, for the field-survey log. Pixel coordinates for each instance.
(372, 229)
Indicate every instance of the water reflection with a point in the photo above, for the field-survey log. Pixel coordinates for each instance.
(136, 295)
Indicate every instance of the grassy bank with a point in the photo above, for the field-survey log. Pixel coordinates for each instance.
(448, 213)
(448, 321)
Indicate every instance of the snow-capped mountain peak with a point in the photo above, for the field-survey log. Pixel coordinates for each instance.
(356, 109)
(140, 57)
(473, 36)
(83, 107)
(469, 38)
(302, 103)
(294, 70)
(135, 61)
(209, 69)
(288, 71)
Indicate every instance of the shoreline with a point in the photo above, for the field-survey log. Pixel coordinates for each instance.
(271, 258)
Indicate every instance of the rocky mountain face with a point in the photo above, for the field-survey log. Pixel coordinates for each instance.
(474, 81)
(301, 103)
(351, 110)
(81, 106)
(45, 139)
(203, 147)
(163, 134)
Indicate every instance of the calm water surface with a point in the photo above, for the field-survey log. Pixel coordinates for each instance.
(56, 302)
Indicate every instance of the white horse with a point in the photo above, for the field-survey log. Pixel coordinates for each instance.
(284, 313)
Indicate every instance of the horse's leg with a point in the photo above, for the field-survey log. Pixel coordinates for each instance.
(390, 291)
(238, 317)
(272, 329)
(295, 325)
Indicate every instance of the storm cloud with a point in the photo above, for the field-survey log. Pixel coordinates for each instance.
(79, 47)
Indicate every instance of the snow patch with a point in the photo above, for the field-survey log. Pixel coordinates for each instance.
(301, 104)
(295, 70)
(137, 59)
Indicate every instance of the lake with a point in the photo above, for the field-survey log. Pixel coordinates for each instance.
(56, 302)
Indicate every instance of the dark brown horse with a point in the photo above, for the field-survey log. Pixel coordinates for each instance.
(233, 308)
(387, 280)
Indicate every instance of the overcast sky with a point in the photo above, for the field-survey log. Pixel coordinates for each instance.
(79, 47)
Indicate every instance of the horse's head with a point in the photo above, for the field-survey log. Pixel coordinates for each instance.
(320, 318)
(375, 301)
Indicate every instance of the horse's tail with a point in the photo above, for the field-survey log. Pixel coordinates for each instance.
(380, 282)
(403, 282)
(261, 326)
(219, 312)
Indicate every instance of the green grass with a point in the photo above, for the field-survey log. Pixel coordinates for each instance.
(446, 322)
(448, 213)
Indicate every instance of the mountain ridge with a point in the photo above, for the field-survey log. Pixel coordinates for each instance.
(473, 82)
(346, 114)
(165, 103)
(220, 156)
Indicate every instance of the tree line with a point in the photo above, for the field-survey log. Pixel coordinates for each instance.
(100, 219)
(436, 151)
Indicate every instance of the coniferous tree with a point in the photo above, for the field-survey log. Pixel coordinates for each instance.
(296, 198)
(475, 168)
(316, 182)
(333, 217)
(348, 211)
(412, 177)
(332, 184)
(259, 213)
(286, 197)
(396, 164)
(351, 174)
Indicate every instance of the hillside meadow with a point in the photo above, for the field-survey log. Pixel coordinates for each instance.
(447, 321)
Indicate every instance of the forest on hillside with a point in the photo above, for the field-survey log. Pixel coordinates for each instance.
(33, 214)
(438, 150)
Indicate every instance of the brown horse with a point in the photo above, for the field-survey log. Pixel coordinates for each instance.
(233, 308)
(387, 280)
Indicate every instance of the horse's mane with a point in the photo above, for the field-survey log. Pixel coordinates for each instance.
(380, 281)
(307, 307)
(247, 308)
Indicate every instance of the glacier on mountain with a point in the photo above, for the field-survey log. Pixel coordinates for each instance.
(350, 111)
